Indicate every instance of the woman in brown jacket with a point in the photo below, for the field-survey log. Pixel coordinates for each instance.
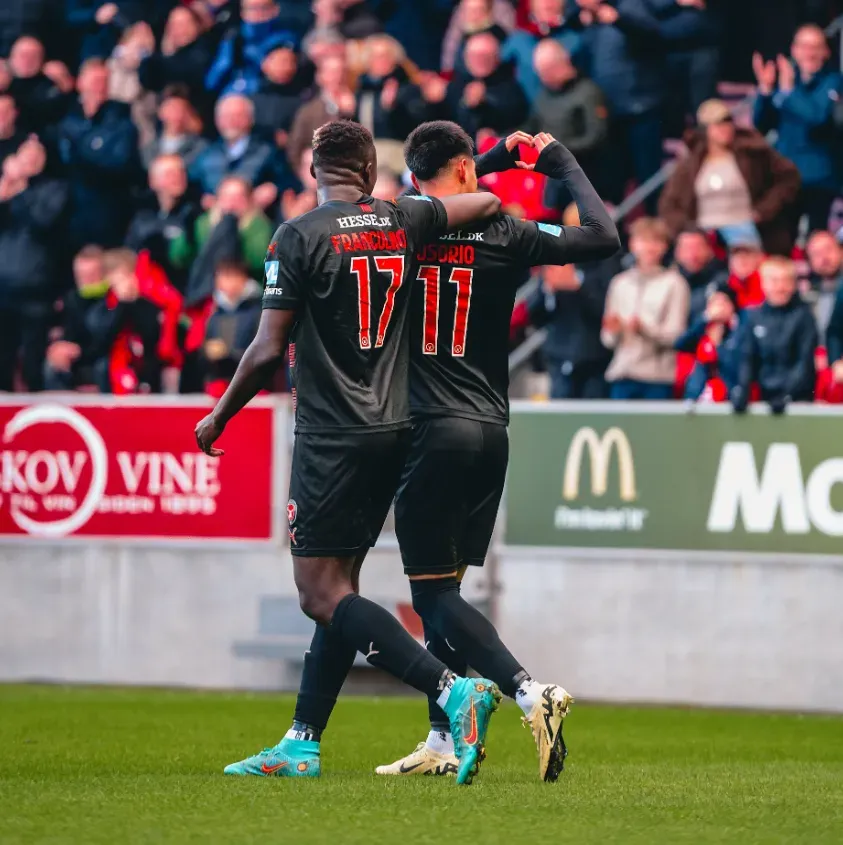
(732, 181)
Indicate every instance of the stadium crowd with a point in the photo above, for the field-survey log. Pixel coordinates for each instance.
(148, 150)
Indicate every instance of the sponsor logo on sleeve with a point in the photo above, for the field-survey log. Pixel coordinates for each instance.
(271, 269)
(421, 197)
(550, 229)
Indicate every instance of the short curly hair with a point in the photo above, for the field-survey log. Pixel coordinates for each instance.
(430, 147)
(343, 145)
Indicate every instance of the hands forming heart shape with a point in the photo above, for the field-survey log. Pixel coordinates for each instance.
(537, 142)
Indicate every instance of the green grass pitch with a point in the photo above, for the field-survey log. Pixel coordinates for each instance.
(127, 766)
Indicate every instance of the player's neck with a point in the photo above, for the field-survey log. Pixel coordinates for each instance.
(442, 188)
(339, 193)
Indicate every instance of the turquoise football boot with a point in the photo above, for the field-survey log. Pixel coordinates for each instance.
(469, 708)
(291, 758)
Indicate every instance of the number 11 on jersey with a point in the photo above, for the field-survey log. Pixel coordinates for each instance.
(462, 278)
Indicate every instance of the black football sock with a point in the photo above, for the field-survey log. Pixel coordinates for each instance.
(467, 630)
(381, 639)
(326, 665)
(437, 646)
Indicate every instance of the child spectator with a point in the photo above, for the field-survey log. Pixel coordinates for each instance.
(137, 323)
(70, 363)
(715, 340)
(696, 261)
(646, 311)
(225, 329)
(745, 260)
(781, 340)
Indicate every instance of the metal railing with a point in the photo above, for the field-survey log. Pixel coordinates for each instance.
(533, 342)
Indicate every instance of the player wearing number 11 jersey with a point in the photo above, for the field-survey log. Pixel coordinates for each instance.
(447, 504)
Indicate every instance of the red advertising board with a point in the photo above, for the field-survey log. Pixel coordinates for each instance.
(133, 471)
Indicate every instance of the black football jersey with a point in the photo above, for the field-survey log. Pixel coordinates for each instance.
(345, 269)
(462, 306)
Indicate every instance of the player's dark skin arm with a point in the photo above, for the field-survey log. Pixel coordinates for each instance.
(463, 209)
(258, 364)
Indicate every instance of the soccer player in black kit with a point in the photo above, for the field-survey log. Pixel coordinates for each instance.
(338, 289)
(451, 489)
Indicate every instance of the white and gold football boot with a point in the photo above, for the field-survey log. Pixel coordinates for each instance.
(423, 761)
(545, 721)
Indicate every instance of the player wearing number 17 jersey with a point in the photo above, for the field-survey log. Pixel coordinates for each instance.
(451, 488)
(337, 277)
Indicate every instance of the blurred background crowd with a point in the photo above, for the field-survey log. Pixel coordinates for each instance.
(148, 150)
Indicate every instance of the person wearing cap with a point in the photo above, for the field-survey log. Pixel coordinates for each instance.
(779, 343)
(715, 340)
(732, 182)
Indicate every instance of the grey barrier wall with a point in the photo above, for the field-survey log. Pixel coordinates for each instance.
(747, 630)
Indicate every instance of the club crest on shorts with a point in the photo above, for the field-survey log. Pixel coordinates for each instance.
(292, 511)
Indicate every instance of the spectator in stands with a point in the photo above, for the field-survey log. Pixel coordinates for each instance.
(800, 108)
(334, 100)
(232, 321)
(281, 93)
(135, 44)
(136, 325)
(421, 26)
(295, 203)
(715, 339)
(825, 258)
(568, 106)
(69, 363)
(488, 96)
(471, 17)
(99, 145)
(388, 104)
(42, 18)
(179, 130)
(546, 23)
(234, 228)
(182, 58)
(569, 303)
(239, 152)
(698, 265)
(745, 259)
(692, 34)
(781, 338)
(171, 215)
(646, 311)
(31, 208)
(626, 58)
(11, 137)
(237, 66)
(733, 183)
(40, 100)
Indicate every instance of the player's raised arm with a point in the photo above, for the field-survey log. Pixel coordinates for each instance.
(284, 272)
(595, 238)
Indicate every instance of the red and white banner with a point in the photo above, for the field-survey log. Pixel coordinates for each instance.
(133, 471)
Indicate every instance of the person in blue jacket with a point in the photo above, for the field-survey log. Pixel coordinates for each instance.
(800, 107)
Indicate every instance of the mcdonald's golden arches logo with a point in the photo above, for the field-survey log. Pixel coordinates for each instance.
(600, 451)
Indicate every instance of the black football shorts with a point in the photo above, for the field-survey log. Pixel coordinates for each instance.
(341, 489)
(450, 491)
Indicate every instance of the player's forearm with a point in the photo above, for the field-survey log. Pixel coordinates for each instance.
(496, 160)
(258, 364)
(597, 236)
(463, 209)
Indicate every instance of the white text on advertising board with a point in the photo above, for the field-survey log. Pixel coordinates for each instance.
(600, 450)
(781, 489)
